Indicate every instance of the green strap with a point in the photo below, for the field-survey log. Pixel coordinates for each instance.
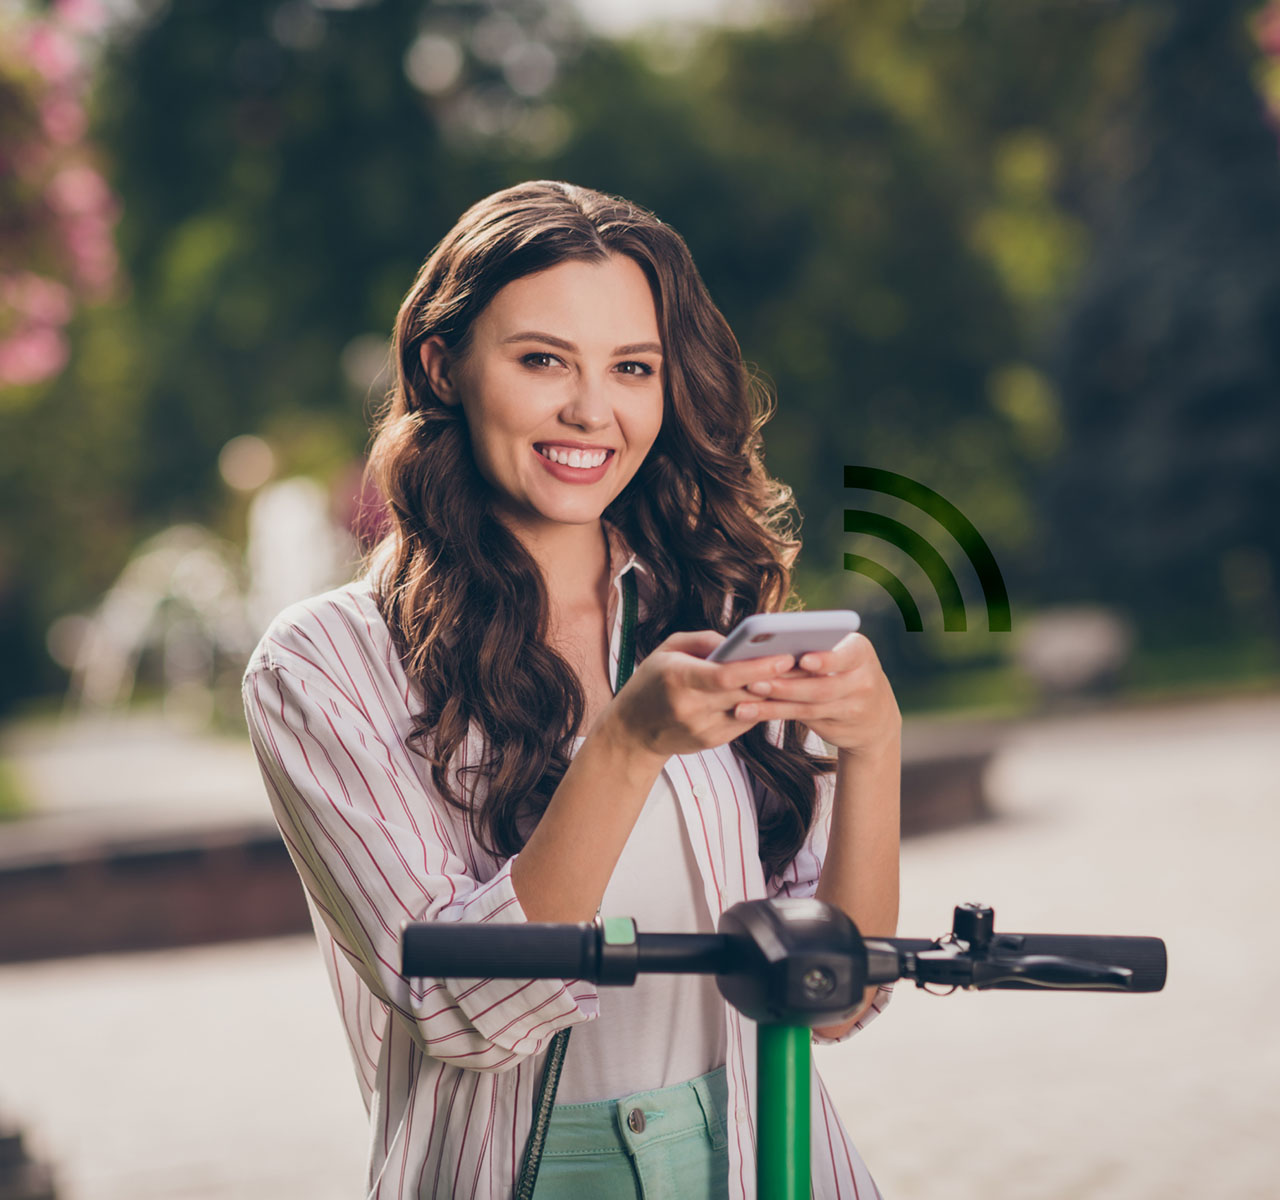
(627, 651)
(546, 1099)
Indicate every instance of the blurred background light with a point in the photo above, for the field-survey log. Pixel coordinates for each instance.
(433, 63)
(246, 463)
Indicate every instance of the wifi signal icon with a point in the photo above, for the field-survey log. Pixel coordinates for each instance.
(889, 483)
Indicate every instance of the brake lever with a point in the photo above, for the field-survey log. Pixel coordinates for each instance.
(1048, 970)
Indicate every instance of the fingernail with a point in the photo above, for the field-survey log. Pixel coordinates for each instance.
(809, 663)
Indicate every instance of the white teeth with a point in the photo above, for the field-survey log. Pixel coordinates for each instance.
(583, 459)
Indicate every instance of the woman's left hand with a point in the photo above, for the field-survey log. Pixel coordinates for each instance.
(842, 694)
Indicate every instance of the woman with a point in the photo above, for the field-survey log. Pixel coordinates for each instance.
(446, 739)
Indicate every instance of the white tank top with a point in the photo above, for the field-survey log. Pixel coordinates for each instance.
(666, 1028)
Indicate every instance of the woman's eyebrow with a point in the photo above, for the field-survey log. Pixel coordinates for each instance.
(532, 335)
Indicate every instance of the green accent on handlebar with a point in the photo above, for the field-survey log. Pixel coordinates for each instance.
(619, 931)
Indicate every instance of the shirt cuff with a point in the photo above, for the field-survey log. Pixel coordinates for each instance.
(879, 1002)
(516, 1014)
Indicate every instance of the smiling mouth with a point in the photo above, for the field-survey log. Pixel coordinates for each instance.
(584, 460)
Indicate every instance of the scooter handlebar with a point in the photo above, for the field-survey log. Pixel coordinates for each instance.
(440, 950)
(1146, 957)
(433, 949)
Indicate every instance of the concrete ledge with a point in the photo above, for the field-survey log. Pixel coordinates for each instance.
(944, 766)
(146, 892)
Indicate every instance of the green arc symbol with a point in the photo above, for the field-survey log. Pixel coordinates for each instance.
(873, 479)
(881, 574)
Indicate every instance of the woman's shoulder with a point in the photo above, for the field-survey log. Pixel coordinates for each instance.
(339, 634)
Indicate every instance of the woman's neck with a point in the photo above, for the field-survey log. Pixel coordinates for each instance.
(574, 560)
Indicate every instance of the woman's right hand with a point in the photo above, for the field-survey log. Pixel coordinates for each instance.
(678, 703)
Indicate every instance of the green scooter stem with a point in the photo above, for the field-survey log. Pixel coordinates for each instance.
(783, 1065)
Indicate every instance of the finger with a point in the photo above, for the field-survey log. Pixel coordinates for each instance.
(699, 643)
(806, 688)
(847, 653)
(759, 709)
(732, 677)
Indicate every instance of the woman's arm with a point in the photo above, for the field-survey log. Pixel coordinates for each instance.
(564, 868)
(675, 703)
(860, 874)
(371, 846)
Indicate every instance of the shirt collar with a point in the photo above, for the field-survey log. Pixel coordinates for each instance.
(621, 557)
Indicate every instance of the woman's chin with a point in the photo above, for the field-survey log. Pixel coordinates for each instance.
(548, 516)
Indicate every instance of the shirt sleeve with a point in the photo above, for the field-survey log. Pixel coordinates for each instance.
(368, 843)
(800, 878)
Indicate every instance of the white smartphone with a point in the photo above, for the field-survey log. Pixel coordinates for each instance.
(764, 634)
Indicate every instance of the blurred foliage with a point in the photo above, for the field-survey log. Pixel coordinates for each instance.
(1165, 497)
(894, 204)
(56, 210)
(282, 180)
(12, 801)
(1248, 664)
(878, 202)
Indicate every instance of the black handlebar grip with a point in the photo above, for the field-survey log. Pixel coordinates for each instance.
(440, 949)
(1144, 956)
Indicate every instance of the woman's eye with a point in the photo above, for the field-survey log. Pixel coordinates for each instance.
(643, 368)
(538, 354)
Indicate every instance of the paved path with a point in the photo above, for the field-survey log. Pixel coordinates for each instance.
(1163, 823)
(215, 1073)
(220, 1074)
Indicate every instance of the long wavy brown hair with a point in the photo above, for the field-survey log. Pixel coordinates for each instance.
(464, 600)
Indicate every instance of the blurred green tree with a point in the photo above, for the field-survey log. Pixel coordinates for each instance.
(56, 254)
(890, 203)
(1164, 499)
(880, 197)
(284, 170)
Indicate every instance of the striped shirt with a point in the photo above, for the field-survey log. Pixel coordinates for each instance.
(448, 1068)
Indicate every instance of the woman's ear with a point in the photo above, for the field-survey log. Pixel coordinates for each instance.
(438, 364)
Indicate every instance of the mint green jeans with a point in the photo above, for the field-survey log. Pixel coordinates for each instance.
(668, 1144)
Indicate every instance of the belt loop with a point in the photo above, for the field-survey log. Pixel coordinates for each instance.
(710, 1113)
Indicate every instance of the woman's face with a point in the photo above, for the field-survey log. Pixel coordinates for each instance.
(567, 361)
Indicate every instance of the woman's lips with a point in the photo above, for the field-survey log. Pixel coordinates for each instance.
(575, 474)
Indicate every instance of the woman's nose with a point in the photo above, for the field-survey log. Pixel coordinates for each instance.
(588, 406)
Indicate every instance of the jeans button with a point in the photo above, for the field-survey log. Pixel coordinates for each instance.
(635, 1119)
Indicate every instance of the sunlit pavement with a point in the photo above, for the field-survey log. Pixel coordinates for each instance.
(184, 1074)
(1166, 823)
(221, 1072)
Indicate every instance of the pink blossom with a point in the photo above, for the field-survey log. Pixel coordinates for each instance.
(51, 52)
(92, 252)
(74, 224)
(84, 16)
(1268, 30)
(39, 300)
(32, 354)
(78, 189)
(64, 119)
